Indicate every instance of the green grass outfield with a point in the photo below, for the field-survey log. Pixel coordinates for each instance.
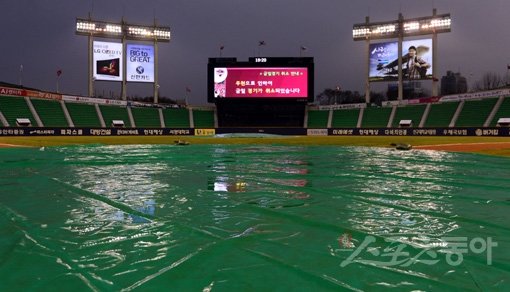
(381, 141)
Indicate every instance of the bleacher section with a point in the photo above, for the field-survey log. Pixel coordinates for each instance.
(176, 118)
(375, 117)
(50, 112)
(111, 113)
(318, 119)
(410, 112)
(203, 118)
(347, 118)
(83, 115)
(15, 107)
(145, 117)
(475, 112)
(441, 114)
(503, 111)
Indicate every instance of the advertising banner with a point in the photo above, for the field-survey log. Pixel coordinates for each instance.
(12, 91)
(244, 82)
(107, 64)
(84, 99)
(38, 131)
(416, 60)
(140, 63)
(46, 95)
(476, 95)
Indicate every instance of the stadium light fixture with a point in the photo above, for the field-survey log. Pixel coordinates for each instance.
(121, 30)
(98, 28)
(124, 31)
(148, 33)
(410, 27)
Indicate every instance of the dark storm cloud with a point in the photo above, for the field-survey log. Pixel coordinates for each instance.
(40, 35)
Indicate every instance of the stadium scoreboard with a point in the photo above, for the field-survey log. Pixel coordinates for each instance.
(261, 78)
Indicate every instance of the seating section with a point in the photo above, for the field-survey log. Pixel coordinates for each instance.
(503, 111)
(176, 118)
(50, 112)
(375, 117)
(15, 107)
(441, 114)
(347, 118)
(410, 112)
(146, 117)
(203, 118)
(111, 113)
(475, 112)
(83, 115)
(318, 119)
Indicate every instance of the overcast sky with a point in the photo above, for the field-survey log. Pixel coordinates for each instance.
(40, 35)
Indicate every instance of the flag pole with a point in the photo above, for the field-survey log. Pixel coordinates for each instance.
(21, 75)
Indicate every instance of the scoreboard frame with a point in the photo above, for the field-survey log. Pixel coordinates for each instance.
(262, 62)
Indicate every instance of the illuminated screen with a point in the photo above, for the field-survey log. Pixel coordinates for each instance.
(260, 82)
(107, 61)
(416, 60)
(140, 63)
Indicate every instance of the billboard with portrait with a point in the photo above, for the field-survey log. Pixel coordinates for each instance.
(107, 64)
(416, 60)
(140, 63)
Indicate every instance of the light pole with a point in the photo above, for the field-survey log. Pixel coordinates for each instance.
(399, 29)
(124, 31)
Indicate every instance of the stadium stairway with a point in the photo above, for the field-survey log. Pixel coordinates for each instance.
(146, 117)
(441, 114)
(502, 112)
(50, 112)
(474, 113)
(83, 115)
(409, 112)
(375, 117)
(176, 118)
(345, 118)
(111, 113)
(317, 119)
(15, 107)
(3, 120)
(203, 118)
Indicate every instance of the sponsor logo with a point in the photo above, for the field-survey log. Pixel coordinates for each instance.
(317, 132)
(205, 132)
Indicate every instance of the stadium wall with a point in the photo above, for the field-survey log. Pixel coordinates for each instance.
(38, 131)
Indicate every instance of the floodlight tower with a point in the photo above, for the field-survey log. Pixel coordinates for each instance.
(399, 29)
(123, 31)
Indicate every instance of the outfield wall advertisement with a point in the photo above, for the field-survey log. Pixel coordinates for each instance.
(445, 132)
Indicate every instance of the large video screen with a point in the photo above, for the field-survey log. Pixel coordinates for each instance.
(107, 64)
(245, 82)
(278, 78)
(416, 60)
(140, 63)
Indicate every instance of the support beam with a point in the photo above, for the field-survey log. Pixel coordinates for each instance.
(400, 74)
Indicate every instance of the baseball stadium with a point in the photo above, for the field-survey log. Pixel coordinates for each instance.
(261, 189)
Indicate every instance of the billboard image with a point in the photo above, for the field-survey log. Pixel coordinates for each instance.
(140, 63)
(107, 61)
(260, 82)
(416, 60)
